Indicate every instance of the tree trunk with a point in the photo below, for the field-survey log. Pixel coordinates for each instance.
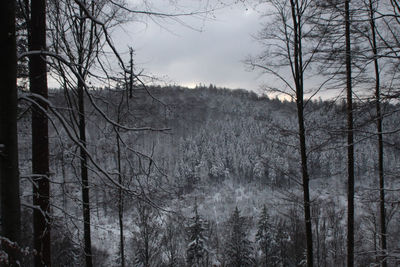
(82, 71)
(40, 140)
(350, 143)
(120, 201)
(84, 175)
(382, 210)
(131, 74)
(380, 138)
(9, 177)
(298, 65)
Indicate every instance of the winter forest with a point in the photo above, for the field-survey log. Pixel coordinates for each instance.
(116, 167)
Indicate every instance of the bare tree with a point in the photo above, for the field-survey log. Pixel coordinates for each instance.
(74, 54)
(285, 37)
(371, 6)
(339, 56)
(78, 40)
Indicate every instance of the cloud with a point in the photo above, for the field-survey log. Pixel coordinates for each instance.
(187, 57)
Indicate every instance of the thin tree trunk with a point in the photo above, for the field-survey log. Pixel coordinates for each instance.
(306, 193)
(84, 175)
(82, 71)
(375, 237)
(120, 202)
(9, 178)
(380, 138)
(64, 184)
(40, 139)
(381, 181)
(350, 143)
(131, 74)
(120, 192)
(302, 136)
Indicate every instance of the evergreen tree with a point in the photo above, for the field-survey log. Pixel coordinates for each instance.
(266, 238)
(197, 252)
(238, 248)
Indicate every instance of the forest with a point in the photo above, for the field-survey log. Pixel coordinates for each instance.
(113, 167)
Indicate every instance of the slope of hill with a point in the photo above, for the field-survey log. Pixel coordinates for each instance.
(220, 149)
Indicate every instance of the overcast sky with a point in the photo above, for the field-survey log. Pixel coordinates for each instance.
(207, 51)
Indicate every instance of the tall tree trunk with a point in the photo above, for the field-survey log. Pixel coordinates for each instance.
(298, 65)
(306, 193)
(9, 177)
(350, 143)
(82, 71)
(120, 192)
(40, 140)
(380, 137)
(382, 210)
(84, 174)
(120, 200)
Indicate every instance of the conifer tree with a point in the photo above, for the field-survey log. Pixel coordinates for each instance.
(266, 238)
(197, 252)
(238, 248)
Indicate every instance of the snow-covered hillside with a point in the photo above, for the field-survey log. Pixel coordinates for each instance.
(210, 151)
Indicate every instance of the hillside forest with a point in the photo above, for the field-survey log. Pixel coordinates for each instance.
(113, 167)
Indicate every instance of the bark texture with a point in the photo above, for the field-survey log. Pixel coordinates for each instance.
(40, 139)
(350, 143)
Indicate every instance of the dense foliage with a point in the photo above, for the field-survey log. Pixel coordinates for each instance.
(226, 150)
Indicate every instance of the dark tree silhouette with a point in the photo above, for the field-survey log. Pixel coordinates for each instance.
(239, 251)
(350, 141)
(9, 176)
(40, 139)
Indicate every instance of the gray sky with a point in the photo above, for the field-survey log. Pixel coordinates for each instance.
(212, 52)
